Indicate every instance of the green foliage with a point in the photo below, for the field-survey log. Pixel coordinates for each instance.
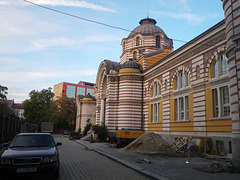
(101, 131)
(79, 130)
(37, 109)
(86, 129)
(41, 108)
(3, 92)
(64, 111)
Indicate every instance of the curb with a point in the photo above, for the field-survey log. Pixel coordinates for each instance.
(130, 165)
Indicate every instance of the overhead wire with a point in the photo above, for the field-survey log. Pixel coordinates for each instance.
(85, 19)
(78, 17)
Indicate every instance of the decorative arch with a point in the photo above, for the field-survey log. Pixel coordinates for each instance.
(151, 85)
(135, 54)
(179, 69)
(104, 69)
(138, 41)
(212, 58)
(101, 73)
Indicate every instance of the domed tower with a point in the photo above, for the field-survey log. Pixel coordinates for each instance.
(145, 39)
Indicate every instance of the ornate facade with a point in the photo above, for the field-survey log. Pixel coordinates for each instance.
(192, 91)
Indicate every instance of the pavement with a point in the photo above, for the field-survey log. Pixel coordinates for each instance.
(164, 168)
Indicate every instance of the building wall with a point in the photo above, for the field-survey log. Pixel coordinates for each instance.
(71, 90)
(147, 44)
(85, 113)
(232, 17)
(196, 61)
(206, 105)
(58, 91)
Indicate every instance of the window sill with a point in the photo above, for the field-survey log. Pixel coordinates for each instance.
(154, 123)
(155, 98)
(221, 118)
(179, 121)
(218, 78)
(181, 89)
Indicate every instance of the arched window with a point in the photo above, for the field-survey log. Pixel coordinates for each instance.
(198, 72)
(135, 55)
(158, 41)
(156, 90)
(123, 46)
(220, 66)
(186, 79)
(224, 64)
(137, 41)
(215, 69)
(182, 80)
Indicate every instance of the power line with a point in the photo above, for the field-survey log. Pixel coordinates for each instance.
(85, 19)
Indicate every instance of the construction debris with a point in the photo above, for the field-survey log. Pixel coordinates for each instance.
(151, 143)
(179, 143)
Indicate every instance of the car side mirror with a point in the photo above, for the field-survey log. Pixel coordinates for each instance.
(58, 144)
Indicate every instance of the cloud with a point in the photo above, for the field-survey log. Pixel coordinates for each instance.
(8, 60)
(23, 76)
(191, 18)
(41, 44)
(73, 3)
(185, 4)
(9, 2)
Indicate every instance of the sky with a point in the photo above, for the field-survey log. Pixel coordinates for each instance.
(40, 47)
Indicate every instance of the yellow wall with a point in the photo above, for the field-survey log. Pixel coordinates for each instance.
(184, 126)
(190, 104)
(215, 124)
(161, 111)
(150, 60)
(209, 102)
(57, 90)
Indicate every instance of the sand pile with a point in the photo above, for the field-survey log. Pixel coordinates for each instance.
(149, 143)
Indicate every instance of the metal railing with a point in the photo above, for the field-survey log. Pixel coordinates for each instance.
(10, 127)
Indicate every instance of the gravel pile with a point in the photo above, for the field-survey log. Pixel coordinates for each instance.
(149, 143)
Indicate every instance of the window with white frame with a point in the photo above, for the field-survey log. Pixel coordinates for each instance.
(181, 108)
(156, 89)
(220, 66)
(221, 102)
(155, 112)
(155, 104)
(182, 80)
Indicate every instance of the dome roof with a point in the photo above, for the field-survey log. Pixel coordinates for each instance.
(131, 64)
(147, 27)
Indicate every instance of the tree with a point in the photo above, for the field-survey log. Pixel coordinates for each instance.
(66, 111)
(3, 92)
(37, 109)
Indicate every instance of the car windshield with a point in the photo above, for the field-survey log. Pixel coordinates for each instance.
(32, 141)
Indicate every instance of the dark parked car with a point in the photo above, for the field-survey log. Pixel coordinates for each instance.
(31, 155)
(66, 132)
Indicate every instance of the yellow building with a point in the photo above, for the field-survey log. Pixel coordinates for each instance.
(192, 91)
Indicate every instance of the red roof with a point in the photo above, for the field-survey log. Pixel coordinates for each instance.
(17, 106)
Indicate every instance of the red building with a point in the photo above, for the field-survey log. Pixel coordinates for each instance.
(71, 90)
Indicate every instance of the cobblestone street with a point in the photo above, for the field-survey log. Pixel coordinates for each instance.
(77, 162)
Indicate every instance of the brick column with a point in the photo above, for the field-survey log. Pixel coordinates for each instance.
(232, 20)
